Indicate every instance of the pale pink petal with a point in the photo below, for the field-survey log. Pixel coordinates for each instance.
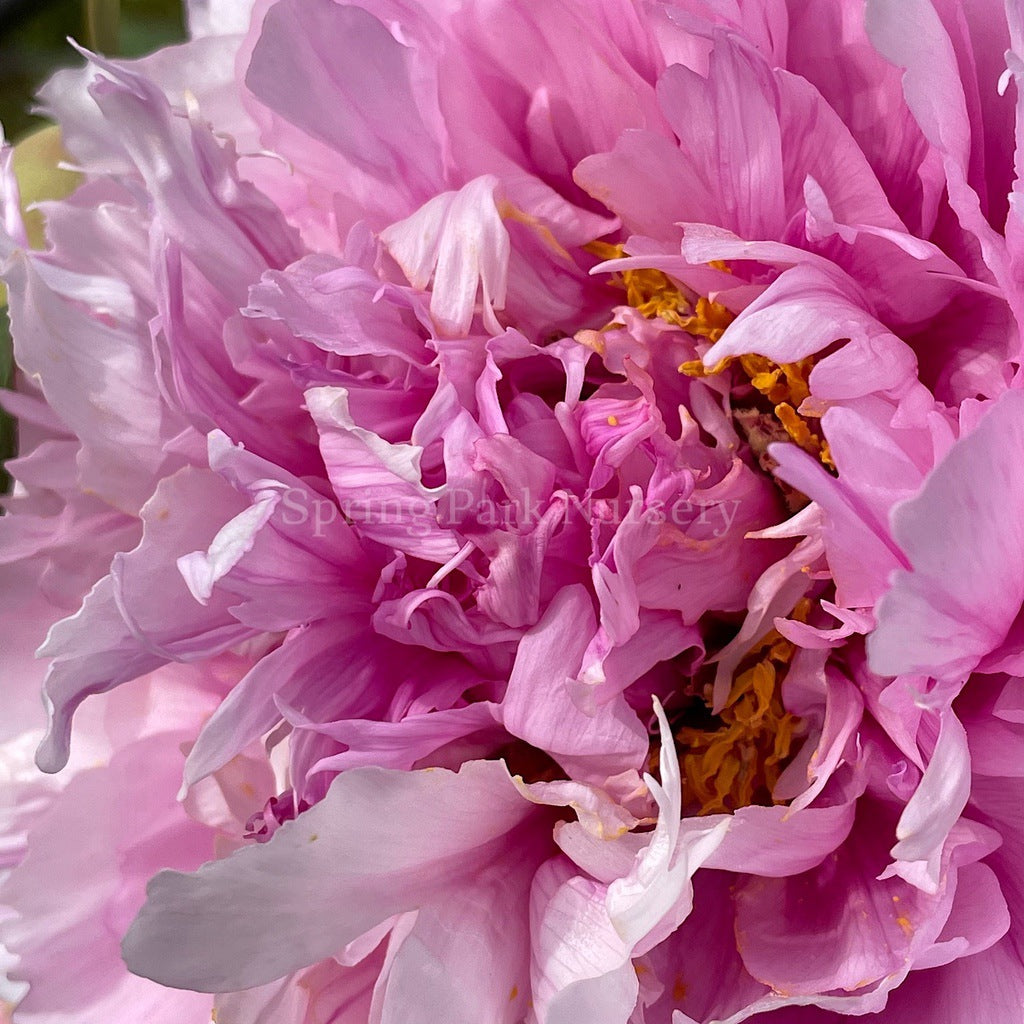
(101, 646)
(775, 841)
(218, 17)
(400, 744)
(458, 241)
(958, 601)
(466, 958)
(936, 804)
(324, 878)
(71, 897)
(655, 897)
(580, 965)
(93, 369)
(699, 965)
(310, 655)
(629, 180)
(342, 309)
(375, 124)
(992, 979)
(538, 705)
(978, 919)
(801, 312)
(325, 992)
(728, 128)
(379, 485)
(913, 37)
(860, 553)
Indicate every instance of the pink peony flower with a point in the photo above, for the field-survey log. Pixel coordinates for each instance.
(512, 510)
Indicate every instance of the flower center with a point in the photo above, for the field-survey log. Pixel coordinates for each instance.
(654, 295)
(779, 388)
(735, 759)
(784, 386)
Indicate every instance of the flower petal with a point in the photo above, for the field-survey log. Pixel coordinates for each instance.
(965, 586)
(370, 849)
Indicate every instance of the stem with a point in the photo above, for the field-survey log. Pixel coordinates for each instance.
(102, 25)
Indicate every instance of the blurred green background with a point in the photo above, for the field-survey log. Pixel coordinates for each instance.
(33, 44)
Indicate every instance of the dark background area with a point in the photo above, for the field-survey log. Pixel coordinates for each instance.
(33, 44)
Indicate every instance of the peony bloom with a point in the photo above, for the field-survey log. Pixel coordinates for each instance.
(517, 513)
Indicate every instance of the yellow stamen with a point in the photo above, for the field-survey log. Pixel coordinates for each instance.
(696, 367)
(786, 386)
(654, 295)
(739, 763)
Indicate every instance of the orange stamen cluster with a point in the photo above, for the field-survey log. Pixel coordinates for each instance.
(739, 763)
(654, 295)
(785, 386)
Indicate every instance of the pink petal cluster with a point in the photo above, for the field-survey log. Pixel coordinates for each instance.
(519, 513)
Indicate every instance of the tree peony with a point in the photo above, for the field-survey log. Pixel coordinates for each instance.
(519, 509)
